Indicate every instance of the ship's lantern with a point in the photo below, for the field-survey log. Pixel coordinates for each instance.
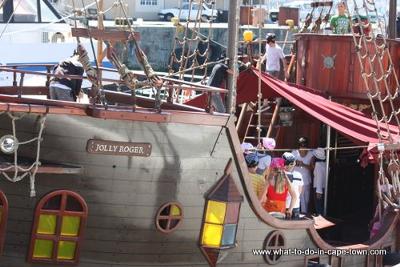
(8, 144)
(221, 217)
(220, 224)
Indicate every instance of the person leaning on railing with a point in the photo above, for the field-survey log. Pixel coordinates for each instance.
(62, 88)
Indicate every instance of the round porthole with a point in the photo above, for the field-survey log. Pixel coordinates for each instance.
(274, 242)
(169, 217)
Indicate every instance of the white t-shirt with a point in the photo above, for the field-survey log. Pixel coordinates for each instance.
(319, 176)
(297, 182)
(305, 172)
(273, 55)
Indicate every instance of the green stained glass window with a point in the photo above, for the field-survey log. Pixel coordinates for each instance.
(43, 249)
(70, 225)
(47, 224)
(228, 237)
(175, 210)
(66, 250)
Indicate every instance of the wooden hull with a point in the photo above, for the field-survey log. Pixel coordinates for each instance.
(124, 193)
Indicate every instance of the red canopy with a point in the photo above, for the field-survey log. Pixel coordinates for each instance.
(348, 121)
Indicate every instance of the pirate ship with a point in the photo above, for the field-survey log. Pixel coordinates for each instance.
(133, 181)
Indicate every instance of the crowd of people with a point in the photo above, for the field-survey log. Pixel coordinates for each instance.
(284, 184)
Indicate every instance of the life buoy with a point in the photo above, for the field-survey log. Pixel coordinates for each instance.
(58, 36)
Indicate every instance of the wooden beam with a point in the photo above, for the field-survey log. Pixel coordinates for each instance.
(106, 34)
(47, 168)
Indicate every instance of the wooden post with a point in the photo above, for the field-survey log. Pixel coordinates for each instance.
(392, 19)
(232, 54)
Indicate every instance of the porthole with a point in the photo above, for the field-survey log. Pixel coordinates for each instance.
(274, 241)
(169, 217)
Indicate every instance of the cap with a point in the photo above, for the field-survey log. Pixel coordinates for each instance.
(302, 142)
(246, 148)
(288, 158)
(251, 160)
(277, 163)
(268, 143)
(319, 153)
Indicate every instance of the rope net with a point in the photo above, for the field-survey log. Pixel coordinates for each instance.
(190, 56)
(378, 74)
(20, 171)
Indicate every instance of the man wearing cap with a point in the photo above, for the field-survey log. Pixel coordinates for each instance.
(319, 179)
(303, 165)
(274, 57)
(296, 181)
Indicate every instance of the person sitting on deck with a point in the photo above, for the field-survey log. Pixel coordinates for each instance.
(340, 23)
(274, 57)
(277, 189)
(66, 89)
(257, 180)
(296, 181)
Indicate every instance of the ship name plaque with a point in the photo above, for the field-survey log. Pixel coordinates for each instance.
(118, 148)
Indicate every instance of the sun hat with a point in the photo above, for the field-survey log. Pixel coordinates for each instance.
(268, 143)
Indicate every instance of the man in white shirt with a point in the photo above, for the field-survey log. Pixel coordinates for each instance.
(296, 183)
(303, 165)
(273, 57)
(319, 179)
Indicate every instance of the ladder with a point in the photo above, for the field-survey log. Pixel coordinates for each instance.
(247, 124)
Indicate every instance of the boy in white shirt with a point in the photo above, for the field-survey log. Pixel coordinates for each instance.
(273, 57)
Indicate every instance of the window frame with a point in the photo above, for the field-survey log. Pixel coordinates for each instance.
(169, 217)
(56, 238)
(3, 222)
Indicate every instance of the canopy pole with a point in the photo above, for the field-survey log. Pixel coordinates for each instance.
(232, 54)
(328, 152)
(392, 19)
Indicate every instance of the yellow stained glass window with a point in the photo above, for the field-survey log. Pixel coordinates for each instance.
(212, 235)
(43, 248)
(175, 210)
(70, 225)
(66, 250)
(215, 212)
(47, 224)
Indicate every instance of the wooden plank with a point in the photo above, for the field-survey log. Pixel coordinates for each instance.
(106, 34)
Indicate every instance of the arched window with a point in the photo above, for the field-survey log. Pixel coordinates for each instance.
(3, 219)
(58, 226)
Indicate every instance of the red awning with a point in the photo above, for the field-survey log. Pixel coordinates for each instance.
(348, 121)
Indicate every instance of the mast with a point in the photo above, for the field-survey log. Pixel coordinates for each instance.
(100, 26)
(233, 25)
(392, 19)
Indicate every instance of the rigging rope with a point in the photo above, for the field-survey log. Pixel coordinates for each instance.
(376, 78)
(16, 168)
